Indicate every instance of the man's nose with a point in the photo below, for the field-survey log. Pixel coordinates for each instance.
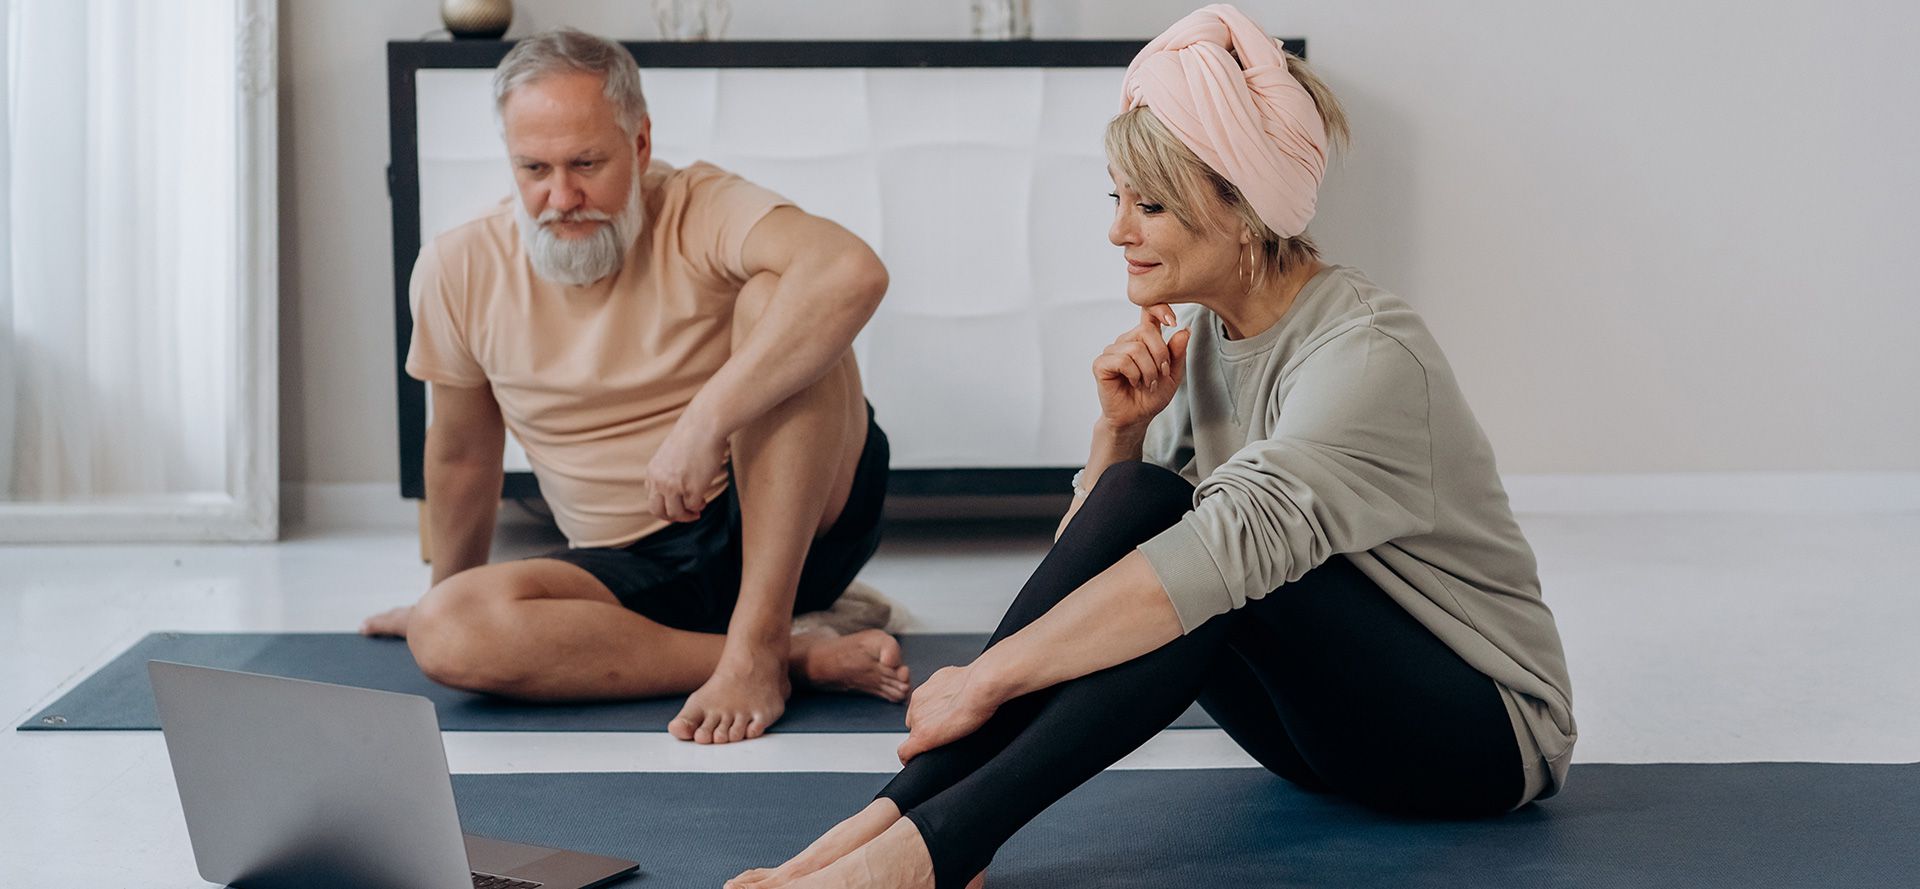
(564, 193)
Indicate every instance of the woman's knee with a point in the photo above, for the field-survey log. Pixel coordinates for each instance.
(1135, 499)
(1139, 478)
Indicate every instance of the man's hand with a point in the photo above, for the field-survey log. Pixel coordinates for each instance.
(951, 705)
(678, 476)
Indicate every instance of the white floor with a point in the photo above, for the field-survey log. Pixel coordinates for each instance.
(1691, 638)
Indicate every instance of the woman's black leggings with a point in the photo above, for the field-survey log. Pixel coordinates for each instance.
(1325, 681)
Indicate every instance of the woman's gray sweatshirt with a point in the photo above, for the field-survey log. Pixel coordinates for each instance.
(1341, 431)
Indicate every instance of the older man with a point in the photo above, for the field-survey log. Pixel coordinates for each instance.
(672, 348)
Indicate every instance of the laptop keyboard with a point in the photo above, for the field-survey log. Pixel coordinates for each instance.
(495, 881)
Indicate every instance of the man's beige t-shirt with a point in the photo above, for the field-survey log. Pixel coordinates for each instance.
(590, 379)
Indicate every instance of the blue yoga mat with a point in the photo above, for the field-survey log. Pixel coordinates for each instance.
(1749, 825)
(118, 697)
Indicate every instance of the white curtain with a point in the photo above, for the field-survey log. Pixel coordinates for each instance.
(117, 324)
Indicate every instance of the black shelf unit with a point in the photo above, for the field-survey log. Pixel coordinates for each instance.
(406, 58)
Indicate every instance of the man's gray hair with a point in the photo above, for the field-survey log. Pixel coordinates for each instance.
(565, 50)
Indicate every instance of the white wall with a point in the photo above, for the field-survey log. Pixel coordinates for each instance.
(1652, 237)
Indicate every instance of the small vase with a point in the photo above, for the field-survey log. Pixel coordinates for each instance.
(687, 20)
(476, 19)
(1003, 19)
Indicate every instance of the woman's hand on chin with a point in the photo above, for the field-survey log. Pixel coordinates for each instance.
(1138, 374)
(952, 704)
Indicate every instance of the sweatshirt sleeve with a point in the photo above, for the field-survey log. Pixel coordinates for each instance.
(1347, 466)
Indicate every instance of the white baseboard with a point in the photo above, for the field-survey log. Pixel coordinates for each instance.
(379, 505)
(312, 505)
(1745, 492)
(309, 505)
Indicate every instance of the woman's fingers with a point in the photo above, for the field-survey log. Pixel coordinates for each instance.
(1116, 364)
(1144, 362)
(1177, 349)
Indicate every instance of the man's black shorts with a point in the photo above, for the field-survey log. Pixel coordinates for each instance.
(687, 575)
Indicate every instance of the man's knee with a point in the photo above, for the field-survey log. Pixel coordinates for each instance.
(449, 633)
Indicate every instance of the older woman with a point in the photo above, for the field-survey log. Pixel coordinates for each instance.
(1289, 514)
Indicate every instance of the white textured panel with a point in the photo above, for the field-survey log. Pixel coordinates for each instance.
(681, 102)
(984, 190)
(954, 392)
(844, 188)
(954, 106)
(455, 191)
(1074, 335)
(1073, 262)
(804, 112)
(1077, 103)
(956, 223)
(455, 118)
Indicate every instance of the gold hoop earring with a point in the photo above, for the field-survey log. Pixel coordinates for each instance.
(1249, 268)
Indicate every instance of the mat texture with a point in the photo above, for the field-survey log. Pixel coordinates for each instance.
(118, 696)
(1746, 825)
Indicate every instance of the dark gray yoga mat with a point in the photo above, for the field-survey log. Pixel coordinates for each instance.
(1746, 825)
(118, 696)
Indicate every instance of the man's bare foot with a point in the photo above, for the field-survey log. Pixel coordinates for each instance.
(391, 622)
(741, 700)
(896, 859)
(868, 662)
(843, 838)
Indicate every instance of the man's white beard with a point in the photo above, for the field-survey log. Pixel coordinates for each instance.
(578, 262)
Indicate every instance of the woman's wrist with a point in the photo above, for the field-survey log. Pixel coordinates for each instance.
(995, 680)
(1120, 435)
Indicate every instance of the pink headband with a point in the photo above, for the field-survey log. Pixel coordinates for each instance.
(1222, 86)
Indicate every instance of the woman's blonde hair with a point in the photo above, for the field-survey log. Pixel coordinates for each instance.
(1165, 171)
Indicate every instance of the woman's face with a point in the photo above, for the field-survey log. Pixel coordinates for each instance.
(1166, 261)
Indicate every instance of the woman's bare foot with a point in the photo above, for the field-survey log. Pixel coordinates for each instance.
(868, 661)
(896, 859)
(843, 838)
(391, 622)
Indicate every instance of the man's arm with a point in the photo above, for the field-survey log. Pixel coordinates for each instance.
(830, 282)
(465, 445)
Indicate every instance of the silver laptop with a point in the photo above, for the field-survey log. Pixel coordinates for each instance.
(288, 783)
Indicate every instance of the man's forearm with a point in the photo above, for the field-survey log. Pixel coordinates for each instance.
(808, 325)
(462, 500)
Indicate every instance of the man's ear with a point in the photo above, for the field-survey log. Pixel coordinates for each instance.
(643, 142)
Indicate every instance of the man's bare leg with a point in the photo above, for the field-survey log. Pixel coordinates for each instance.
(547, 630)
(542, 629)
(793, 469)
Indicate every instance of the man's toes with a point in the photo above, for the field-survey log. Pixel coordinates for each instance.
(889, 652)
(683, 726)
(704, 734)
(737, 729)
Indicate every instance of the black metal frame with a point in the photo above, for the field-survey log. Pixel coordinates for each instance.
(405, 58)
